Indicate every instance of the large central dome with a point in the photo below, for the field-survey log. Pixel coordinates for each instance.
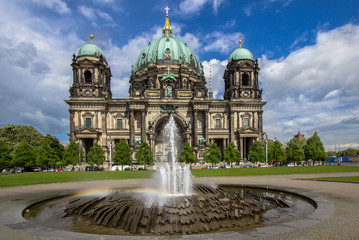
(166, 49)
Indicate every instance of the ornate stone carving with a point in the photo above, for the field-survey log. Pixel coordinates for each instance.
(169, 108)
(137, 141)
(201, 142)
(150, 124)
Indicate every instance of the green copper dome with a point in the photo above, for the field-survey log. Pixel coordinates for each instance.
(166, 48)
(90, 49)
(240, 54)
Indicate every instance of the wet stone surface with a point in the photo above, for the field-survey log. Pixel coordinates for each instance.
(131, 213)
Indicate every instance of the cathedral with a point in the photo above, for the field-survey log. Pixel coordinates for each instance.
(166, 80)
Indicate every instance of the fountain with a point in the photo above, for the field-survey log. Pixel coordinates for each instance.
(173, 178)
(177, 208)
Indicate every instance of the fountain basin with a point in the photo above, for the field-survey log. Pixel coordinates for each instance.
(134, 212)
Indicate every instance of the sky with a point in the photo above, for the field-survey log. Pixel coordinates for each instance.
(307, 50)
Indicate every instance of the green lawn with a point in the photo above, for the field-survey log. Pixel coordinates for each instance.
(354, 179)
(8, 180)
(272, 171)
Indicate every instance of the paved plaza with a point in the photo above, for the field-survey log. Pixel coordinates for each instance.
(337, 215)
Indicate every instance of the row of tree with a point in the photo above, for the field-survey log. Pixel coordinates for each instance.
(24, 146)
(296, 150)
(350, 152)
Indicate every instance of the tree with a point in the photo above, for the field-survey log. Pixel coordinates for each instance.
(302, 141)
(231, 154)
(213, 154)
(71, 155)
(122, 154)
(187, 155)
(276, 152)
(46, 155)
(55, 144)
(331, 154)
(13, 135)
(24, 155)
(350, 152)
(314, 148)
(96, 155)
(256, 153)
(5, 156)
(295, 152)
(144, 156)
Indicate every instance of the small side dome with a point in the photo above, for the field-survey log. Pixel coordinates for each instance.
(240, 54)
(90, 49)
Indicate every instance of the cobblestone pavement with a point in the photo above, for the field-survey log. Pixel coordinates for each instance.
(337, 216)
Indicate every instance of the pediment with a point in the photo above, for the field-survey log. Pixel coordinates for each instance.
(246, 64)
(85, 61)
(88, 131)
(249, 130)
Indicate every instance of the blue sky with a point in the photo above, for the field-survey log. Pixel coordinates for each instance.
(308, 53)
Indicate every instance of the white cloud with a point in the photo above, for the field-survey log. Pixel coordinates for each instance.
(121, 58)
(216, 5)
(92, 14)
(105, 16)
(35, 70)
(217, 70)
(248, 11)
(188, 7)
(222, 42)
(192, 41)
(87, 12)
(56, 5)
(192, 6)
(314, 88)
(333, 94)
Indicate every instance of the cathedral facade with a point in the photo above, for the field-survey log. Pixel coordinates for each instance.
(167, 79)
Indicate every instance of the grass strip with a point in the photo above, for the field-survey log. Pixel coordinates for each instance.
(9, 180)
(58, 177)
(353, 179)
(272, 171)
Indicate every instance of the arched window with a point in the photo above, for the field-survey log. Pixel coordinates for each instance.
(245, 79)
(88, 76)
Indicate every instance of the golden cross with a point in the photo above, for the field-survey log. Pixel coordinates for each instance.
(168, 70)
(167, 8)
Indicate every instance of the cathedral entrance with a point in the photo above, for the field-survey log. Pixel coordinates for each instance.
(88, 144)
(162, 146)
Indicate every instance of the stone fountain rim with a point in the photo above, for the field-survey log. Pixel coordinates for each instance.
(13, 219)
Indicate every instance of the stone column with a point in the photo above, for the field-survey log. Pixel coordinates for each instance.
(206, 125)
(96, 120)
(260, 121)
(153, 146)
(104, 122)
(79, 118)
(231, 127)
(81, 147)
(223, 147)
(195, 143)
(241, 147)
(132, 128)
(72, 125)
(143, 126)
